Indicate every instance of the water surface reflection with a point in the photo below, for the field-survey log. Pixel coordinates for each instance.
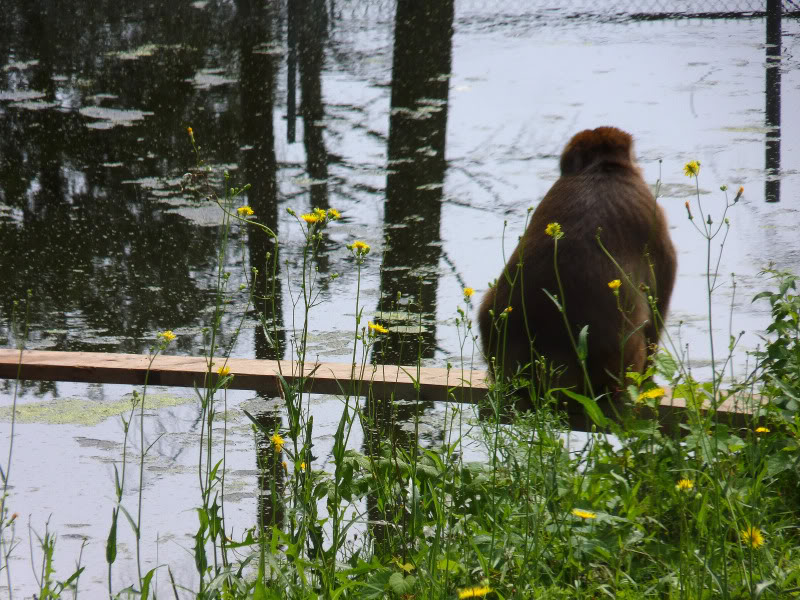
(429, 125)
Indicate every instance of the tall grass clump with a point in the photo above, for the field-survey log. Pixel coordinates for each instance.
(652, 501)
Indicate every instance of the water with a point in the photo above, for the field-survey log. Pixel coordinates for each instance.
(427, 136)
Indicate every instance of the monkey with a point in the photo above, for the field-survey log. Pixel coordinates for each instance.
(602, 204)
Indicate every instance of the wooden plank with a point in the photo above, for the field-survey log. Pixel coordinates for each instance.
(249, 374)
(381, 381)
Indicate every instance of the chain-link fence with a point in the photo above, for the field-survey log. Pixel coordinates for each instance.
(608, 9)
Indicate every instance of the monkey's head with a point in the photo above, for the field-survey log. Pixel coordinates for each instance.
(593, 147)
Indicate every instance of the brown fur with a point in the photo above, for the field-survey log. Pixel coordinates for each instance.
(600, 188)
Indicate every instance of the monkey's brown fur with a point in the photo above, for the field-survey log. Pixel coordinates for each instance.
(600, 188)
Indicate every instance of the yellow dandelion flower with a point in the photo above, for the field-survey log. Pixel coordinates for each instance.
(320, 213)
(278, 441)
(753, 536)
(478, 591)
(167, 335)
(650, 394)
(554, 230)
(614, 284)
(359, 247)
(310, 218)
(377, 328)
(223, 371)
(584, 514)
(245, 211)
(685, 485)
(762, 429)
(191, 132)
(334, 214)
(302, 466)
(691, 169)
(468, 291)
(508, 309)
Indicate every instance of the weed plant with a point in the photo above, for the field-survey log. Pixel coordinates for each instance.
(651, 505)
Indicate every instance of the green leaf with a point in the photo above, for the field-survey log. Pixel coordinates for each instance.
(130, 520)
(777, 463)
(260, 592)
(117, 485)
(146, 583)
(111, 543)
(71, 578)
(583, 344)
(201, 514)
(665, 364)
(200, 560)
(213, 473)
(591, 407)
(400, 585)
(554, 299)
(451, 566)
(375, 586)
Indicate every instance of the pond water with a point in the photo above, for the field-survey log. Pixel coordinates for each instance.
(427, 125)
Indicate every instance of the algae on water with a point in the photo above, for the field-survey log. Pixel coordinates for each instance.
(79, 411)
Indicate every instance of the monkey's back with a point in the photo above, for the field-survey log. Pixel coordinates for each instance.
(613, 203)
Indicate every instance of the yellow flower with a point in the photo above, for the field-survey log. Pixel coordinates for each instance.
(223, 371)
(191, 132)
(478, 591)
(684, 485)
(320, 213)
(167, 335)
(334, 214)
(649, 394)
(614, 284)
(762, 429)
(584, 514)
(359, 247)
(245, 211)
(377, 328)
(278, 441)
(691, 169)
(753, 536)
(508, 309)
(310, 218)
(302, 466)
(468, 291)
(554, 230)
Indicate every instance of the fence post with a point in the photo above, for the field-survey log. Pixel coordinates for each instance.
(772, 185)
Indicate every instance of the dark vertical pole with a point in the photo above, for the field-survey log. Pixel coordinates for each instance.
(291, 70)
(772, 185)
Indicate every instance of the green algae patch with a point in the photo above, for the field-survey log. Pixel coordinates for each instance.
(79, 411)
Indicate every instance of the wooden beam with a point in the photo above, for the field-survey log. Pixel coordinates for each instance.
(249, 374)
(380, 381)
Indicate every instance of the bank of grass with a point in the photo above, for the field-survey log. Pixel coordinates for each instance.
(705, 509)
